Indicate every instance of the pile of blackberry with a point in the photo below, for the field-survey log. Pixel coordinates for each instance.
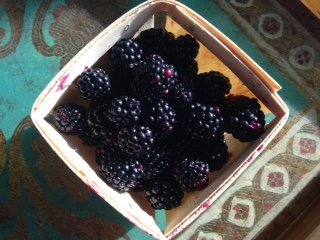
(157, 124)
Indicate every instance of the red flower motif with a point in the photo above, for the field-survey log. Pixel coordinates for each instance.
(275, 179)
(242, 211)
(307, 145)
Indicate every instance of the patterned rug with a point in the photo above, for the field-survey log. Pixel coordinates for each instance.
(40, 198)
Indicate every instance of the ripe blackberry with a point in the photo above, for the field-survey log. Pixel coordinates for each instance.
(160, 117)
(211, 87)
(244, 118)
(156, 162)
(180, 96)
(98, 121)
(164, 193)
(204, 122)
(108, 152)
(121, 175)
(135, 140)
(187, 73)
(94, 84)
(70, 118)
(156, 41)
(192, 174)
(186, 49)
(154, 78)
(215, 153)
(127, 53)
(124, 111)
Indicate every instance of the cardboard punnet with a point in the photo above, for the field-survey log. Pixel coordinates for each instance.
(80, 159)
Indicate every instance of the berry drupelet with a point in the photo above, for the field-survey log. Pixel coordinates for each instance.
(94, 84)
(211, 87)
(192, 174)
(124, 111)
(127, 53)
(204, 122)
(70, 118)
(160, 117)
(135, 140)
(164, 192)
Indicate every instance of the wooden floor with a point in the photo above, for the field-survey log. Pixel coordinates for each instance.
(307, 225)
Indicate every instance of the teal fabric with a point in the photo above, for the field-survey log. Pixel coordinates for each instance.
(25, 72)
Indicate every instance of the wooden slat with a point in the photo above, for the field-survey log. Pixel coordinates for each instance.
(307, 226)
(313, 6)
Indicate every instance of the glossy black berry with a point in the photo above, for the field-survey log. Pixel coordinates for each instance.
(204, 122)
(94, 84)
(244, 118)
(127, 53)
(164, 193)
(98, 121)
(153, 79)
(70, 118)
(192, 174)
(124, 111)
(135, 140)
(121, 175)
(156, 162)
(160, 117)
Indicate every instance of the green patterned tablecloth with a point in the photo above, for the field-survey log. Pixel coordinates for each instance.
(40, 198)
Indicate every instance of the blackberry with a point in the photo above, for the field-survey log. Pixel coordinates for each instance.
(154, 78)
(108, 152)
(135, 140)
(187, 73)
(215, 153)
(70, 118)
(211, 87)
(156, 41)
(192, 174)
(160, 117)
(94, 84)
(186, 49)
(156, 162)
(180, 96)
(121, 175)
(98, 121)
(244, 118)
(127, 53)
(204, 122)
(164, 193)
(124, 111)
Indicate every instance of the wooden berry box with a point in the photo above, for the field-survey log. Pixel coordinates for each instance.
(246, 76)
